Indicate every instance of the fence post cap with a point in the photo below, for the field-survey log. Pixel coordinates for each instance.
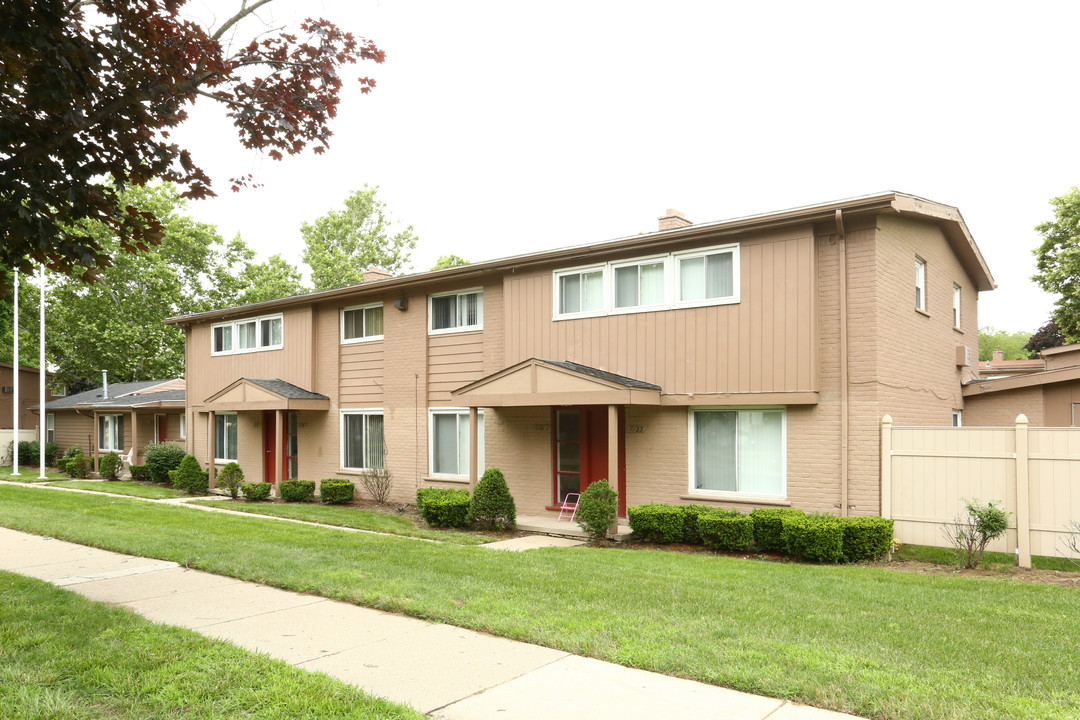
(887, 420)
(1021, 419)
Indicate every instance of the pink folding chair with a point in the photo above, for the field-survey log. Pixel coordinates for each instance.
(569, 505)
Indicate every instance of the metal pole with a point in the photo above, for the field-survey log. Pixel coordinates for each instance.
(43, 436)
(15, 422)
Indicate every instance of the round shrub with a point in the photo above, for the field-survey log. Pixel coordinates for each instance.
(656, 523)
(597, 509)
(335, 490)
(160, 458)
(443, 507)
(256, 491)
(298, 491)
(190, 476)
(817, 538)
(866, 537)
(110, 466)
(492, 506)
(231, 478)
(727, 530)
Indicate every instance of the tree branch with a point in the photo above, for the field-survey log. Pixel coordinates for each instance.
(243, 13)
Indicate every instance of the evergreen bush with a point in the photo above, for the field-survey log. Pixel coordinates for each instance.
(190, 477)
(77, 467)
(816, 538)
(298, 491)
(443, 507)
(866, 537)
(333, 491)
(492, 506)
(110, 466)
(139, 472)
(160, 458)
(30, 453)
(769, 528)
(231, 478)
(597, 509)
(657, 523)
(727, 530)
(256, 491)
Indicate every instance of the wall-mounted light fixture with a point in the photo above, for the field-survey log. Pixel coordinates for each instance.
(402, 303)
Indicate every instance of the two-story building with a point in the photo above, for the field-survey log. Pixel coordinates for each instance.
(741, 363)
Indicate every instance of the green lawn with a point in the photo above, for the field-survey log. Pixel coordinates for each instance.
(65, 657)
(870, 641)
(122, 487)
(29, 474)
(351, 517)
(991, 560)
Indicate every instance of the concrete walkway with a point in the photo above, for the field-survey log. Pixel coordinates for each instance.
(441, 670)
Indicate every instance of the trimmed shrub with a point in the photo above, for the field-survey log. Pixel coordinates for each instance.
(61, 464)
(160, 458)
(657, 523)
(30, 453)
(190, 477)
(256, 491)
(231, 478)
(726, 530)
(769, 528)
(298, 490)
(139, 472)
(492, 505)
(377, 483)
(443, 507)
(691, 513)
(817, 538)
(866, 537)
(336, 490)
(77, 467)
(597, 509)
(110, 466)
(73, 451)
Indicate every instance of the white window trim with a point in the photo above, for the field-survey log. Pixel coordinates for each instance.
(50, 427)
(236, 335)
(460, 328)
(219, 452)
(432, 412)
(956, 298)
(729, 494)
(341, 434)
(672, 282)
(366, 338)
(104, 418)
(604, 269)
(958, 418)
(920, 283)
(183, 426)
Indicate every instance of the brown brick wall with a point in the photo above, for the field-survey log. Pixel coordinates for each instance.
(999, 409)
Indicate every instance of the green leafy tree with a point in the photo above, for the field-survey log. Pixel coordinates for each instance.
(89, 91)
(1057, 261)
(449, 261)
(270, 280)
(29, 317)
(340, 245)
(1012, 344)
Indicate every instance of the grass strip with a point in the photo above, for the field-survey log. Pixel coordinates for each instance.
(65, 657)
(350, 517)
(990, 560)
(121, 487)
(869, 641)
(29, 474)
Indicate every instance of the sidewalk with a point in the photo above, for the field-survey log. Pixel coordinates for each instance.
(441, 670)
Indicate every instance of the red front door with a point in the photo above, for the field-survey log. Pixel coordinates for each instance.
(161, 423)
(580, 453)
(269, 443)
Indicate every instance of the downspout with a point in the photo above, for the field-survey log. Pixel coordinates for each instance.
(104, 384)
(841, 243)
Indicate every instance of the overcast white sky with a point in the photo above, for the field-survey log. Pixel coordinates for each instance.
(501, 127)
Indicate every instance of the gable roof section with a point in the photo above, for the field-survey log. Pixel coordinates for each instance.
(536, 382)
(260, 394)
(956, 230)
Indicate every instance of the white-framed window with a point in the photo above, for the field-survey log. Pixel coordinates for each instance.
(362, 323)
(247, 335)
(956, 306)
(579, 292)
(738, 451)
(958, 418)
(459, 311)
(707, 277)
(183, 426)
(111, 433)
(50, 428)
(226, 437)
(362, 445)
(639, 284)
(920, 284)
(448, 431)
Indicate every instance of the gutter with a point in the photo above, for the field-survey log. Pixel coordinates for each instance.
(841, 241)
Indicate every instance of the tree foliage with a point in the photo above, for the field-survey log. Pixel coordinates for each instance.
(1057, 262)
(89, 91)
(340, 245)
(449, 261)
(1012, 344)
(1048, 336)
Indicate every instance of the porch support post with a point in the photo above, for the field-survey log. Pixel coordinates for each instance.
(474, 443)
(134, 440)
(279, 429)
(97, 438)
(211, 447)
(613, 456)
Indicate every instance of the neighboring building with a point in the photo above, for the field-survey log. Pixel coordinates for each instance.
(999, 367)
(740, 363)
(118, 418)
(1048, 398)
(29, 395)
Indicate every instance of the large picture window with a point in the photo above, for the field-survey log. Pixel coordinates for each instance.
(456, 312)
(450, 441)
(111, 433)
(738, 451)
(226, 436)
(248, 335)
(359, 324)
(362, 439)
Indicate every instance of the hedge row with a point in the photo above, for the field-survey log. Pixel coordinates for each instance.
(815, 538)
(443, 507)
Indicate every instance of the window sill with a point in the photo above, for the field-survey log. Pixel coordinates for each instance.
(734, 497)
(457, 480)
(457, 331)
(957, 330)
(922, 312)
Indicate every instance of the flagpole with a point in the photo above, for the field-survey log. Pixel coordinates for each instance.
(43, 425)
(15, 422)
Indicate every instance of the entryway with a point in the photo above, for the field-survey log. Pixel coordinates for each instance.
(580, 451)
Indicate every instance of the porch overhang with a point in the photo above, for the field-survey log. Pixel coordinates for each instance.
(536, 382)
(253, 394)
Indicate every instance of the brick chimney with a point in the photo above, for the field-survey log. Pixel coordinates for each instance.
(998, 355)
(672, 219)
(376, 273)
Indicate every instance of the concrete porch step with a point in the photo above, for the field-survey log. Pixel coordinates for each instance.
(551, 525)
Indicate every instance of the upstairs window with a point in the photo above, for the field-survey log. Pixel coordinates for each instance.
(580, 291)
(708, 276)
(920, 284)
(456, 312)
(956, 306)
(640, 284)
(247, 335)
(359, 324)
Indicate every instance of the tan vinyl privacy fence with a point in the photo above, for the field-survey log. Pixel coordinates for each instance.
(927, 472)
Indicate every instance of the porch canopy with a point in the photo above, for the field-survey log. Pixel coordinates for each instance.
(274, 394)
(537, 382)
